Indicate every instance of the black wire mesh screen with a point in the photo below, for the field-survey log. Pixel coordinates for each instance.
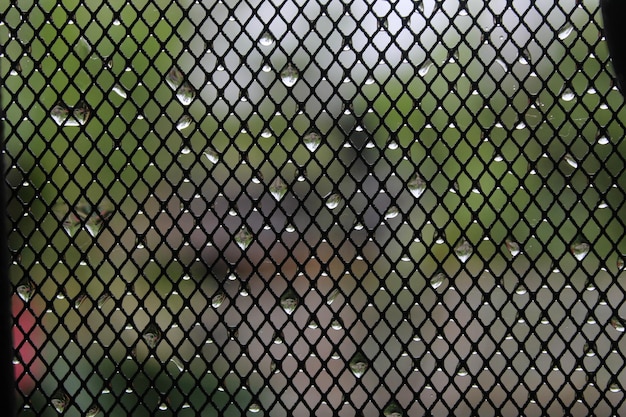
(329, 208)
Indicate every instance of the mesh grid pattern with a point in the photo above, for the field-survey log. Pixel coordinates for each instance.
(329, 208)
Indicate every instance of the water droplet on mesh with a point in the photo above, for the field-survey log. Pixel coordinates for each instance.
(503, 64)
(571, 161)
(614, 387)
(589, 349)
(254, 407)
(278, 337)
(184, 91)
(359, 364)
(565, 31)
(278, 188)
(120, 91)
(289, 75)
(163, 406)
(420, 5)
(79, 300)
(289, 228)
(416, 186)
(98, 218)
(313, 324)
(617, 324)
(426, 66)
(524, 57)
(521, 289)
(178, 363)
(336, 324)
(332, 296)
(266, 133)
(513, 247)
(60, 400)
(333, 201)
(461, 370)
(93, 411)
(243, 238)
(71, 222)
(289, 300)
(393, 410)
(370, 81)
(392, 212)
(211, 155)
(312, 140)
(590, 285)
(151, 335)
(580, 248)
(25, 289)
(335, 355)
(218, 299)
(266, 39)
(602, 138)
(463, 250)
(437, 280)
(79, 114)
(392, 145)
(102, 300)
(567, 94)
(620, 263)
(184, 122)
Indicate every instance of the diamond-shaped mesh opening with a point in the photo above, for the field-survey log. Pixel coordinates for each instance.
(314, 207)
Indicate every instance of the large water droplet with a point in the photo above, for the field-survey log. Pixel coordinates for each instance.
(120, 91)
(25, 289)
(278, 188)
(184, 122)
(289, 300)
(266, 39)
(463, 250)
(617, 324)
(218, 299)
(289, 75)
(79, 114)
(184, 91)
(243, 238)
(254, 407)
(567, 94)
(93, 411)
(565, 31)
(392, 212)
(80, 298)
(178, 363)
(98, 217)
(60, 400)
(211, 155)
(524, 57)
(359, 364)
(589, 349)
(602, 138)
(71, 222)
(580, 248)
(104, 298)
(513, 247)
(332, 296)
(437, 280)
(393, 410)
(333, 201)
(571, 161)
(312, 140)
(278, 337)
(461, 370)
(336, 324)
(416, 185)
(426, 66)
(151, 335)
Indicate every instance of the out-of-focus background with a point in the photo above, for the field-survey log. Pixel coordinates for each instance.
(236, 207)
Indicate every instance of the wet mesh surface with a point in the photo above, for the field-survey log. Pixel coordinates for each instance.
(398, 208)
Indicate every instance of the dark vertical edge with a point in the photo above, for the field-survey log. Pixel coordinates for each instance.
(7, 377)
(614, 18)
